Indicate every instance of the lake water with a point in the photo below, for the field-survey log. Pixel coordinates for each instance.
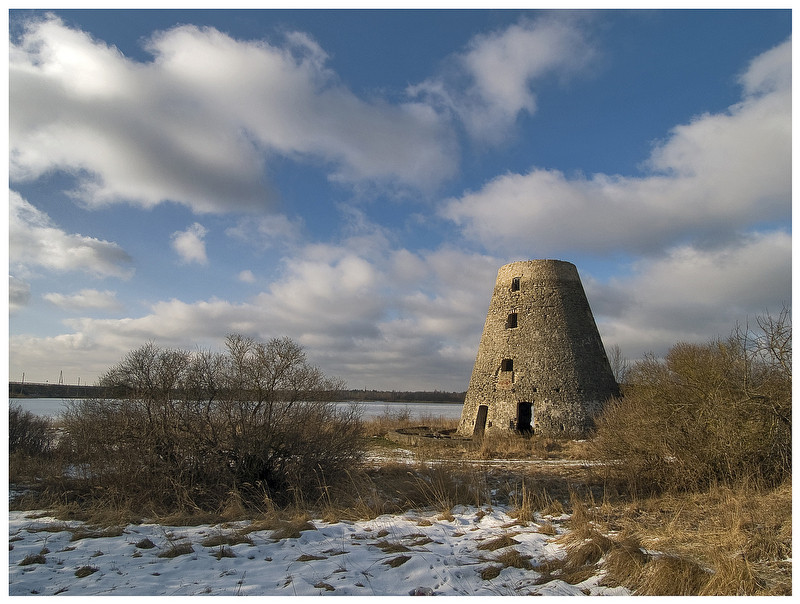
(52, 407)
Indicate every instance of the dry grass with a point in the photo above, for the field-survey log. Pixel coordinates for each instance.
(287, 525)
(398, 561)
(517, 446)
(512, 557)
(398, 419)
(547, 528)
(388, 547)
(671, 576)
(222, 539)
(491, 572)
(499, 542)
(86, 532)
(85, 571)
(33, 559)
(723, 542)
(742, 535)
(176, 549)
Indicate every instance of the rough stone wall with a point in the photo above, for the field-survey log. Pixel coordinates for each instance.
(541, 364)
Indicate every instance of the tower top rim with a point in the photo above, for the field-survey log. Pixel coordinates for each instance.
(559, 270)
(540, 262)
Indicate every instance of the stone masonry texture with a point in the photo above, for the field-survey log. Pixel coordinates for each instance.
(541, 366)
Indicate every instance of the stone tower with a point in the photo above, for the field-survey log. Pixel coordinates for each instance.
(541, 366)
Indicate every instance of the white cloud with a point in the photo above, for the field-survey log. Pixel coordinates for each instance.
(246, 276)
(85, 299)
(190, 244)
(392, 318)
(694, 294)
(375, 316)
(35, 241)
(491, 82)
(709, 179)
(196, 124)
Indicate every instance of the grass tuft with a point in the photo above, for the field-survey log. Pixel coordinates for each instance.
(499, 542)
(398, 561)
(226, 539)
(96, 533)
(491, 572)
(671, 576)
(85, 571)
(391, 548)
(33, 559)
(176, 549)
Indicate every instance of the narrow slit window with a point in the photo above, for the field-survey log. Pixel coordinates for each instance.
(507, 365)
(515, 284)
(511, 321)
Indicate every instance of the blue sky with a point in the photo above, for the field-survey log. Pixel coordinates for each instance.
(354, 179)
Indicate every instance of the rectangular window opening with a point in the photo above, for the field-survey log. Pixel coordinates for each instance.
(507, 365)
(515, 284)
(511, 322)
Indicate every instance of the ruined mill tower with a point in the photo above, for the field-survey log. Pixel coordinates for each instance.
(541, 366)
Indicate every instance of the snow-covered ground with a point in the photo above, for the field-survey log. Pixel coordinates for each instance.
(392, 555)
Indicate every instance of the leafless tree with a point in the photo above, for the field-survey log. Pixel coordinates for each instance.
(191, 428)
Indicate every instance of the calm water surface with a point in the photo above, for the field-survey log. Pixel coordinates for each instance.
(52, 407)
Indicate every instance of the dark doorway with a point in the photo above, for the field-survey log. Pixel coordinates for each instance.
(480, 421)
(525, 418)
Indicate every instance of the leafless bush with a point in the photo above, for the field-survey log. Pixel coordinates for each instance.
(190, 429)
(719, 412)
(28, 433)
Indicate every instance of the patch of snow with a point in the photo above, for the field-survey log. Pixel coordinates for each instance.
(391, 555)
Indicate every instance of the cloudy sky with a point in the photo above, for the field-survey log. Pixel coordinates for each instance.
(354, 179)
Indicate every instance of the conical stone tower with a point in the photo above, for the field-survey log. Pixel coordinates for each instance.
(541, 366)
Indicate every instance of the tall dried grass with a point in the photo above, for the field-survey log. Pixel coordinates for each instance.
(725, 541)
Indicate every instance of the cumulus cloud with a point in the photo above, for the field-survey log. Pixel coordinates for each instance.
(85, 299)
(376, 316)
(490, 83)
(196, 123)
(693, 294)
(35, 241)
(190, 244)
(710, 178)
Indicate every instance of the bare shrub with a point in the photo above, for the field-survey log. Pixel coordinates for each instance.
(28, 433)
(205, 431)
(31, 453)
(719, 412)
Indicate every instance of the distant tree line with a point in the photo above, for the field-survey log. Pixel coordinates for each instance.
(33, 390)
(395, 396)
